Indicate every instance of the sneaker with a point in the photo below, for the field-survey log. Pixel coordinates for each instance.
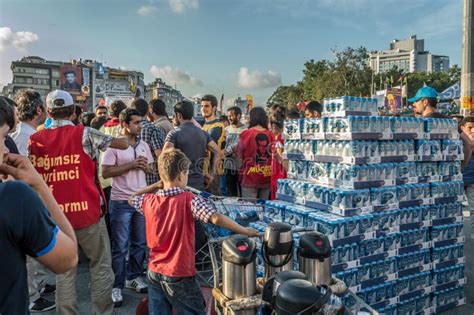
(41, 305)
(137, 284)
(48, 289)
(117, 297)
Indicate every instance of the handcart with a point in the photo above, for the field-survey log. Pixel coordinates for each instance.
(209, 264)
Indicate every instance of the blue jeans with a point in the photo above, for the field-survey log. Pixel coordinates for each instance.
(223, 184)
(181, 294)
(127, 226)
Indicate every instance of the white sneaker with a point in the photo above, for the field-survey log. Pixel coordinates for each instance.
(117, 297)
(137, 284)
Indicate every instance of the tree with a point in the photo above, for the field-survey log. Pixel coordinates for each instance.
(286, 95)
(437, 80)
(349, 74)
(455, 73)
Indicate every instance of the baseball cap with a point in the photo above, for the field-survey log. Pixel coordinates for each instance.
(59, 95)
(424, 92)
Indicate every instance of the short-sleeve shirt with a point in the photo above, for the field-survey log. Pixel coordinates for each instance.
(232, 133)
(192, 141)
(155, 138)
(22, 136)
(25, 229)
(125, 185)
(254, 149)
(216, 130)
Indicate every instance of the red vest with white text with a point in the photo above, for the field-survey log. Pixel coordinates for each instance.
(58, 155)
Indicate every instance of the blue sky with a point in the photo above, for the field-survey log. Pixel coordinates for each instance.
(235, 47)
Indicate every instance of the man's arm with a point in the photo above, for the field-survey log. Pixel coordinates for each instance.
(63, 256)
(146, 190)
(119, 143)
(216, 158)
(170, 140)
(229, 224)
(117, 170)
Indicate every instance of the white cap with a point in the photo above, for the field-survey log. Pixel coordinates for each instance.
(59, 95)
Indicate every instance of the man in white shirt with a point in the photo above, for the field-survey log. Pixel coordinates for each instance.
(31, 113)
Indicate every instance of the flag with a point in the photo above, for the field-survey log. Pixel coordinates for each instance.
(249, 102)
(133, 87)
(101, 69)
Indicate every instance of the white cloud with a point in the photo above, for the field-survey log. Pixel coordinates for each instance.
(179, 6)
(256, 79)
(146, 10)
(174, 75)
(18, 40)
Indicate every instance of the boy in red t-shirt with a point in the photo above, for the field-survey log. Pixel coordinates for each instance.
(170, 213)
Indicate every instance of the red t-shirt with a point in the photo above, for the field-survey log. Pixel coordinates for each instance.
(254, 149)
(278, 171)
(170, 234)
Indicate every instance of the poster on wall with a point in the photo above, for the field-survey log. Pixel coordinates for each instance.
(393, 101)
(71, 78)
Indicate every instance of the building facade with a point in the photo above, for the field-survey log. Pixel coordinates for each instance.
(159, 89)
(408, 55)
(89, 82)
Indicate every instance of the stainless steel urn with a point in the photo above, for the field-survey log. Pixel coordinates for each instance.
(277, 248)
(239, 269)
(314, 258)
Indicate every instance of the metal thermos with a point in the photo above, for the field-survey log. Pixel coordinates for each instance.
(273, 283)
(299, 296)
(314, 258)
(277, 248)
(239, 269)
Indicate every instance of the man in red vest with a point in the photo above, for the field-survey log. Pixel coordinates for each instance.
(66, 157)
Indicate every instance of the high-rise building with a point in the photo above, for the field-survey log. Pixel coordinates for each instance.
(408, 55)
(159, 89)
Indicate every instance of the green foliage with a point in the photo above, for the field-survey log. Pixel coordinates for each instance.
(349, 74)
(438, 80)
(286, 95)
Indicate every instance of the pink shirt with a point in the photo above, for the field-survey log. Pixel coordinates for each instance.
(126, 184)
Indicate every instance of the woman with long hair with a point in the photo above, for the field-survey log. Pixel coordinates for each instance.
(254, 148)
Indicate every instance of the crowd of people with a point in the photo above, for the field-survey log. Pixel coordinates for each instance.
(113, 184)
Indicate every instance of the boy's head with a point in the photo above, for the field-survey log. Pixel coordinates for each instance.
(173, 167)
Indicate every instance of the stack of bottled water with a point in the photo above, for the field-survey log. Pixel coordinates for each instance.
(388, 193)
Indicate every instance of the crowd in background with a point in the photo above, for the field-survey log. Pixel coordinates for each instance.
(97, 167)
